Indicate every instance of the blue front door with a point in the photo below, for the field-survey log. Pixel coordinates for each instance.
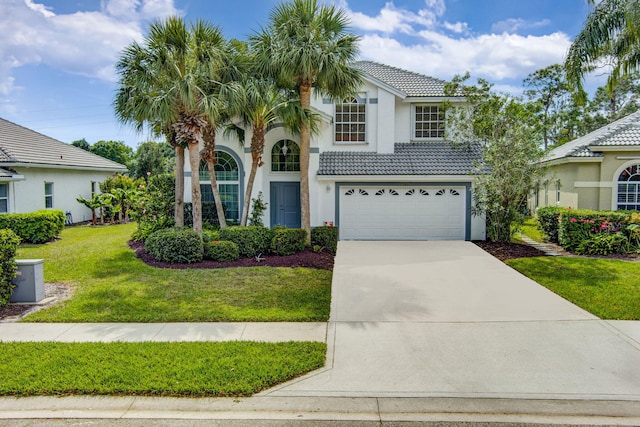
(285, 204)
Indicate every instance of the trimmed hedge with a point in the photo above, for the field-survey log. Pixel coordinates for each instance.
(252, 240)
(9, 242)
(549, 221)
(578, 226)
(325, 237)
(221, 250)
(175, 245)
(288, 241)
(35, 227)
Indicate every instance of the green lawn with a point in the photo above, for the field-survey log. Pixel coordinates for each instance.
(531, 230)
(609, 289)
(153, 369)
(112, 285)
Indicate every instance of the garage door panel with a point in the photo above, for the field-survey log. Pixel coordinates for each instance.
(402, 213)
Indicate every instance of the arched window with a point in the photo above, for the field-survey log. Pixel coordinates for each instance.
(285, 156)
(228, 184)
(629, 188)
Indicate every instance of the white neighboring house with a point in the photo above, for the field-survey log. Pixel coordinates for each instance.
(380, 167)
(39, 172)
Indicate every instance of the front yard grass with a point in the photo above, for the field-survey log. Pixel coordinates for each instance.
(609, 289)
(531, 230)
(112, 285)
(153, 369)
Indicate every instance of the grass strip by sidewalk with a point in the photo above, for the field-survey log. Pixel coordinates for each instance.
(609, 289)
(153, 369)
(112, 285)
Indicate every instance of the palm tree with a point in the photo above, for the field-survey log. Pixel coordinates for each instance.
(263, 106)
(167, 84)
(305, 47)
(610, 33)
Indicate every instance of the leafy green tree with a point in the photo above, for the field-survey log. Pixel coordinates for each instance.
(152, 158)
(611, 34)
(549, 90)
(612, 103)
(117, 151)
(307, 46)
(505, 128)
(81, 143)
(167, 81)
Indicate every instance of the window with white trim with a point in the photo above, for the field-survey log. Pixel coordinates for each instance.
(48, 195)
(228, 180)
(428, 122)
(351, 120)
(4, 198)
(629, 189)
(558, 191)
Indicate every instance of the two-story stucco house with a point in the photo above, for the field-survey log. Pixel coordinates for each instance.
(39, 172)
(380, 167)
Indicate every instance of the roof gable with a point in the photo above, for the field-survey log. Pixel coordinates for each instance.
(19, 145)
(622, 132)
(410, 83)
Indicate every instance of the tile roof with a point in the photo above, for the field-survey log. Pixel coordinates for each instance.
(622, 132)
(19, 145)
(412, 84)
(416, 158)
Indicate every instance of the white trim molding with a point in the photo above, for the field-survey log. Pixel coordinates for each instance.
(592, 184)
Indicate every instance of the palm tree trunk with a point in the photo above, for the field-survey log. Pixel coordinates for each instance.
(178, 212)
(216, 194)
(196, 199)
(305, 148)
(257, 147)
(247, 194)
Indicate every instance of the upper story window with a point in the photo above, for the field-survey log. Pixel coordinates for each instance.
(4, 198)
(428, 122)
(48, 195)
(350, 120)
(285, 156)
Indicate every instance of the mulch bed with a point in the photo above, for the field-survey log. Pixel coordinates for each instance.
(307, 258)
(505, 251)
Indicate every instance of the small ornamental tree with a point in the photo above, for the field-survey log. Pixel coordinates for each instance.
(505, 129)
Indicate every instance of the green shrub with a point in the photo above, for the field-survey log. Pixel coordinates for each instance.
(210, 235)
(175, 245)
(288, 241)
(549, 221)
(577, 226)
(325, 237)
(152, 205)
(604, 244)
(9, 242)
(35, 227)
(252, 240)
(221, 250)
(257, 210)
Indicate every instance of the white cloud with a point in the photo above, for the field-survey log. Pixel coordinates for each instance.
(84, 43)
(495, 57)
(392, 19)
(513, 25)
(443, 49)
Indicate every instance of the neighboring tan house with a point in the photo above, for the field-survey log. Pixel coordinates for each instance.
(39, 172)
(599, 171)
(380, 167)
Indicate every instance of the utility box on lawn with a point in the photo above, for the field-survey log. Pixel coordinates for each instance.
(29, 282)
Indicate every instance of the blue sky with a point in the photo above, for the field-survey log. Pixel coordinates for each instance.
(57, 56)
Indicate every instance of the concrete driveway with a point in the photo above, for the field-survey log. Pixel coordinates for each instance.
(446, 319)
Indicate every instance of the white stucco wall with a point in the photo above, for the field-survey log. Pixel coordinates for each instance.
(28, 195)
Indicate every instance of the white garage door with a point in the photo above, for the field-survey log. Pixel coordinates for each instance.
(402, 212)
